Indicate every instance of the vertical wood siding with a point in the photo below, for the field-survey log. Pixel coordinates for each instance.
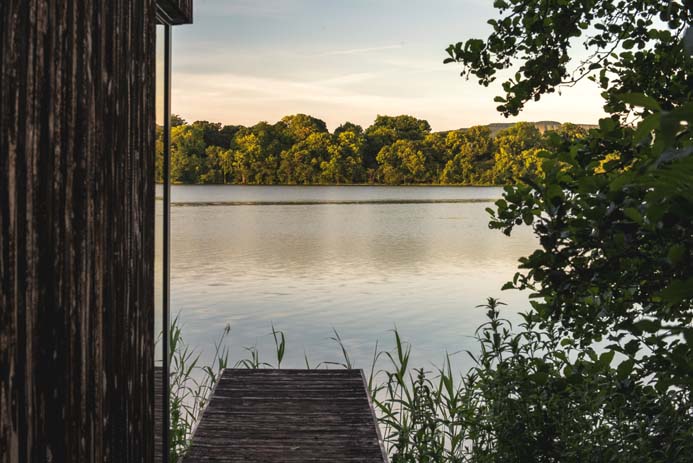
(76, 230)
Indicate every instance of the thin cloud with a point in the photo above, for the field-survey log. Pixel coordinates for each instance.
(238, 87)
(349, 79)
(236, 98)
(251, 8)
(249, 60)
(360, 51)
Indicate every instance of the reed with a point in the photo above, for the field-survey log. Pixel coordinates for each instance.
(533, 394)
(191, 386)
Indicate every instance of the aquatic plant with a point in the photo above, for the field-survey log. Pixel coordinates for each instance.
(533, 394)
(191, 386)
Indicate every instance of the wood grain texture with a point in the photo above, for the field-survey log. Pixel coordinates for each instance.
(76, 230)
(176, 11)
(288, 416)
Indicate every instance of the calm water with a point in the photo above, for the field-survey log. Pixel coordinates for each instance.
(362, 260)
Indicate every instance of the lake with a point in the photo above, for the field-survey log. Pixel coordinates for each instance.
(358, 259)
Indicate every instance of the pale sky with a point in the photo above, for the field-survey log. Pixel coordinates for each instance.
(244, 61)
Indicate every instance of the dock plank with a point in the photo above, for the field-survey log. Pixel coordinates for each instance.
(288, 416)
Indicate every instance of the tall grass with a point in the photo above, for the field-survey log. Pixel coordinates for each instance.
(191, 386)
(419, 411)
(416, 412)
(532, 395)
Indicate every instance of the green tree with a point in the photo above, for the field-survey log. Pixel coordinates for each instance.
(612, 214)
(471, 156)
(345, 163)
(228, 133)
(207, 152)
(301, 164)
(246, 157)
(403, 162)
(301, 126)
(633, 46)
(187, 153)
(516, 156)
(213, 171)
(519, 137)
(159, 155)
(437, 152)
(176, 120)
(513, 167)
(185, 168)
(188, 140)
(211, 133)
(349, 127)
(386, 130)
(226, 163)
(571, 131)
(257, 152)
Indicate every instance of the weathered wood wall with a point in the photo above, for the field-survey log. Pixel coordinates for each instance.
(76, 230)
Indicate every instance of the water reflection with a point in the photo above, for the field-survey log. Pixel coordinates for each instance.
(360, 268)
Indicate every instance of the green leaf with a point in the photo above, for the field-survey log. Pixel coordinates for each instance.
(528, 217)
(631, 348)
(633, 214)
(554, 191)
(673, 154)
(688, 40)
(540, 377)
(607, 124)
(606, 358)
(640, 99)
(648, 326)
(688, 335)
(677, 291)
(675, 254)
(620, 181)
(648, 124)
(624, 369)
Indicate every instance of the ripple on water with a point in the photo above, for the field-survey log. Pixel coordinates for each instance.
(361, 260)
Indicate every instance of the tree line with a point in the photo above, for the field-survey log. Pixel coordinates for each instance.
(395, 150)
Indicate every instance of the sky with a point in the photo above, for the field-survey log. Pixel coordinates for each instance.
(245, 61)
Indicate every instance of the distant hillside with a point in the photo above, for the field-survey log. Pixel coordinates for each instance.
(543, 126)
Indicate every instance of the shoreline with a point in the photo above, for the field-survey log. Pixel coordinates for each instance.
(407, 185)
(329, 202)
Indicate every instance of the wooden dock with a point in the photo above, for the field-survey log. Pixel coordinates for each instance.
(288, 416)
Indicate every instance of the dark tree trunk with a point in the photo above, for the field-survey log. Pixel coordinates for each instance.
(76, 230)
